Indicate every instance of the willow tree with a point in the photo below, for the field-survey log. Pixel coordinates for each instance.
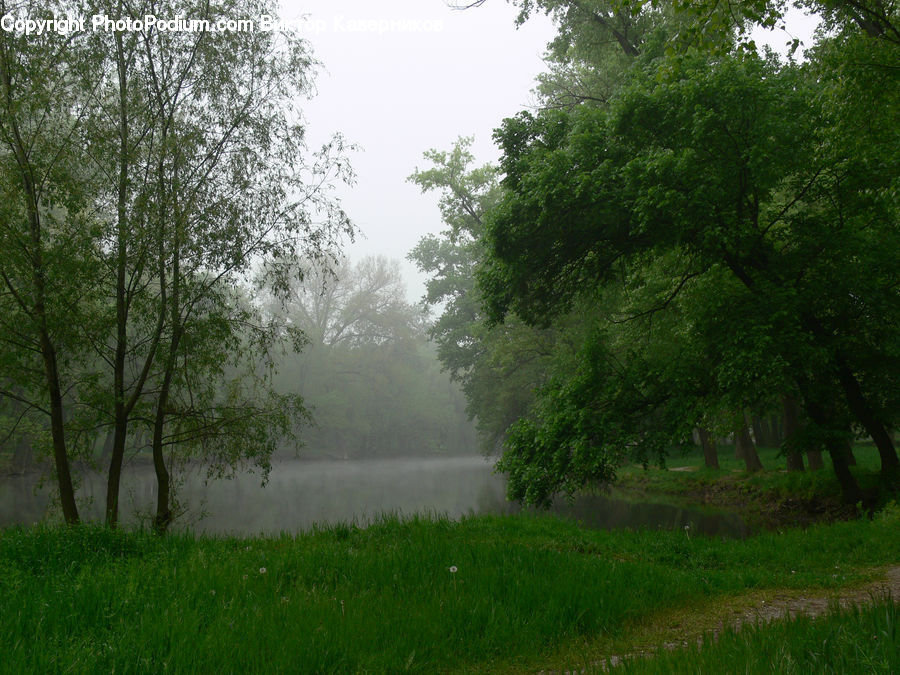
(50, 244)
(223, 181)
(194, 145)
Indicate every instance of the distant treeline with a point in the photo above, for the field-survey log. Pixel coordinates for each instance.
(370, 376)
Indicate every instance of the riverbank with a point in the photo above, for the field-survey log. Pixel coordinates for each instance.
(771, 498)
(487, 593)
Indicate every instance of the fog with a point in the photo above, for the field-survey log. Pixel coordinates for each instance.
(300, 494)
(297, 494)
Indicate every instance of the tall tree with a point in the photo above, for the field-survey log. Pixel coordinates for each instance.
(370, 377)
(170, 164)
(497, 367)
(48, 234)
(706, 163)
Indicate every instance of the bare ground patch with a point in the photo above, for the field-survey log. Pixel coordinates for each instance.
(684, 629)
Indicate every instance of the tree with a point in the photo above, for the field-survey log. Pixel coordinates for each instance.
(710, 452)
(368, 373)
(174, 164)
(353, 305)
(706, 21)
(48, 235)
(745, 448)
(497, 367)
(241, 185)
(706, 166)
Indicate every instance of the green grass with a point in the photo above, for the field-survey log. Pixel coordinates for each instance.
(770, 497)
(383, 598)
(774, 473)
(851, 640)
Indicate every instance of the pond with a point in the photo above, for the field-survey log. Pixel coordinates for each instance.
(301, 493)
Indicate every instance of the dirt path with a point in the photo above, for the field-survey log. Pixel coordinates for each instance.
(763, 608)
(782, 604)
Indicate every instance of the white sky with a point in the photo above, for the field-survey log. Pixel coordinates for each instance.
(401, 92)
(398, 92)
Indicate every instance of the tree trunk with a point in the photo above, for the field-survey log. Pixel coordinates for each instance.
(837, 448)
(777, 429)
(795, 462)
(759, 432)
(814, 458)
(791, 427)
(120, 415)
(710, 454)
(58, 432)
(849, 487)
(163, 517)
(890, 464)
(164, 486)
(116, 460)
(51, 369)
(744, 445)
(38, 310)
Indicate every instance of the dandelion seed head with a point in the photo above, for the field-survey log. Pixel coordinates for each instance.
(262, 570)
(452, 569)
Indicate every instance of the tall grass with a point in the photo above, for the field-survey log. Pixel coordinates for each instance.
(851, 640)
(383, 598)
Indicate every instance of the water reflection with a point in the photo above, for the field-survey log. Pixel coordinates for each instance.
(300, 494)
(616, 512)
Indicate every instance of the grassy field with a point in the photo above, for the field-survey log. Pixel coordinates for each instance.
(490, 594)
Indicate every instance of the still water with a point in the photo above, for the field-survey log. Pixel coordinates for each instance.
(300, 494)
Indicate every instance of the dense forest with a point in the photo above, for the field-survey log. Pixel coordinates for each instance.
(691, 238)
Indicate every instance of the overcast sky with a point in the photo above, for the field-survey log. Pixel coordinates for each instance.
(402, 76)
(435, 75)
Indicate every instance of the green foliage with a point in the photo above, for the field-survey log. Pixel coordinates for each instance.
(707, 26)
(383, 598)
(769, 498)
(709, 215)
(498, 367)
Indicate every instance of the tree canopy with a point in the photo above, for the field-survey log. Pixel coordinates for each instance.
(146, 175)
(724, 223)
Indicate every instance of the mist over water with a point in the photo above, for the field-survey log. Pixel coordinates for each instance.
(300, 494)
